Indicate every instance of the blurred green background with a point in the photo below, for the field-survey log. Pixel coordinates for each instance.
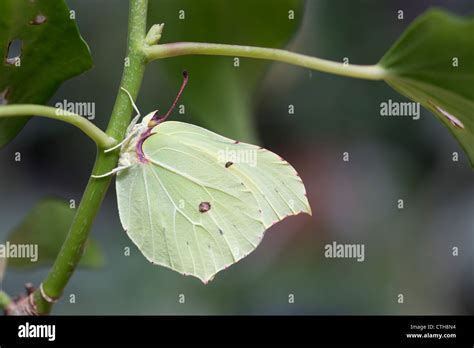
(407, 251)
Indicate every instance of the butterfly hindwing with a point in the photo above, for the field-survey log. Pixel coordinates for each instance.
(202, 201)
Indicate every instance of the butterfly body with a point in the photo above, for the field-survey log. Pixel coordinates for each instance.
(136, 134)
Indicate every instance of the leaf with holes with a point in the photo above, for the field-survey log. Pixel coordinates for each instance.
(46, 226)
(433, 64)
(222, 99)
(40, 47)
(197, 202)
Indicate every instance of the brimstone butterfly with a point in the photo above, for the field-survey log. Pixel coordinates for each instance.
(195, 201)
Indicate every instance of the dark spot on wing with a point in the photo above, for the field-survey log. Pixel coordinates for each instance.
(220, 231)
(228, 164)
(204, 207)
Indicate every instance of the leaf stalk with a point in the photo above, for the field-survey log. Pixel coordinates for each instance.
(368, 72)
(92, 131)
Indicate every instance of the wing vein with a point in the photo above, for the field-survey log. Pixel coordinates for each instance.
(145, 183)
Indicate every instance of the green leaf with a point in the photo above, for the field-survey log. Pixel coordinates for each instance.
(52, 51)
(422, 66)
(220, 96)
(47, 226)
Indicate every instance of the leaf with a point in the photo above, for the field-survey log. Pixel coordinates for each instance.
(220, 96)
(422, 66)
(46, 226)
(198, 202)
(52, 51)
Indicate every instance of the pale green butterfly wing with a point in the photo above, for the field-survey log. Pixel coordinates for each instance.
(159, 208)
(203, 201)
(273, 181)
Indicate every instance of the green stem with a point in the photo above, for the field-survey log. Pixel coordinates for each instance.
(370, 72)
(73, 246)
(20, 110)
(5, 300)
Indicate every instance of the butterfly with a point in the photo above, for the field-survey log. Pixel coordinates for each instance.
(195, 201)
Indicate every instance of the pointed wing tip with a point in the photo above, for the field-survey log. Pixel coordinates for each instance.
(204, 279)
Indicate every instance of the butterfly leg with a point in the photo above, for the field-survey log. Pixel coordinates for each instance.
(127, 138)
(135, 119)
(132, 124)
(113, 171)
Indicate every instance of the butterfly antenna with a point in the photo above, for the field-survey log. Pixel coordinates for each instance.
(157, 118)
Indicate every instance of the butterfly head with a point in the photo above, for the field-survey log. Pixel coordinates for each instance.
(153, 119)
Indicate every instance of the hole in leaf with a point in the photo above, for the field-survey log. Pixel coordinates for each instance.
(13, 52)
(3, 97)
(39, 19)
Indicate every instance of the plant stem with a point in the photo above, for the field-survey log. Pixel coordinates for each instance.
(5, 300)
(92, 131)
(73, 246)
(370, 72)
